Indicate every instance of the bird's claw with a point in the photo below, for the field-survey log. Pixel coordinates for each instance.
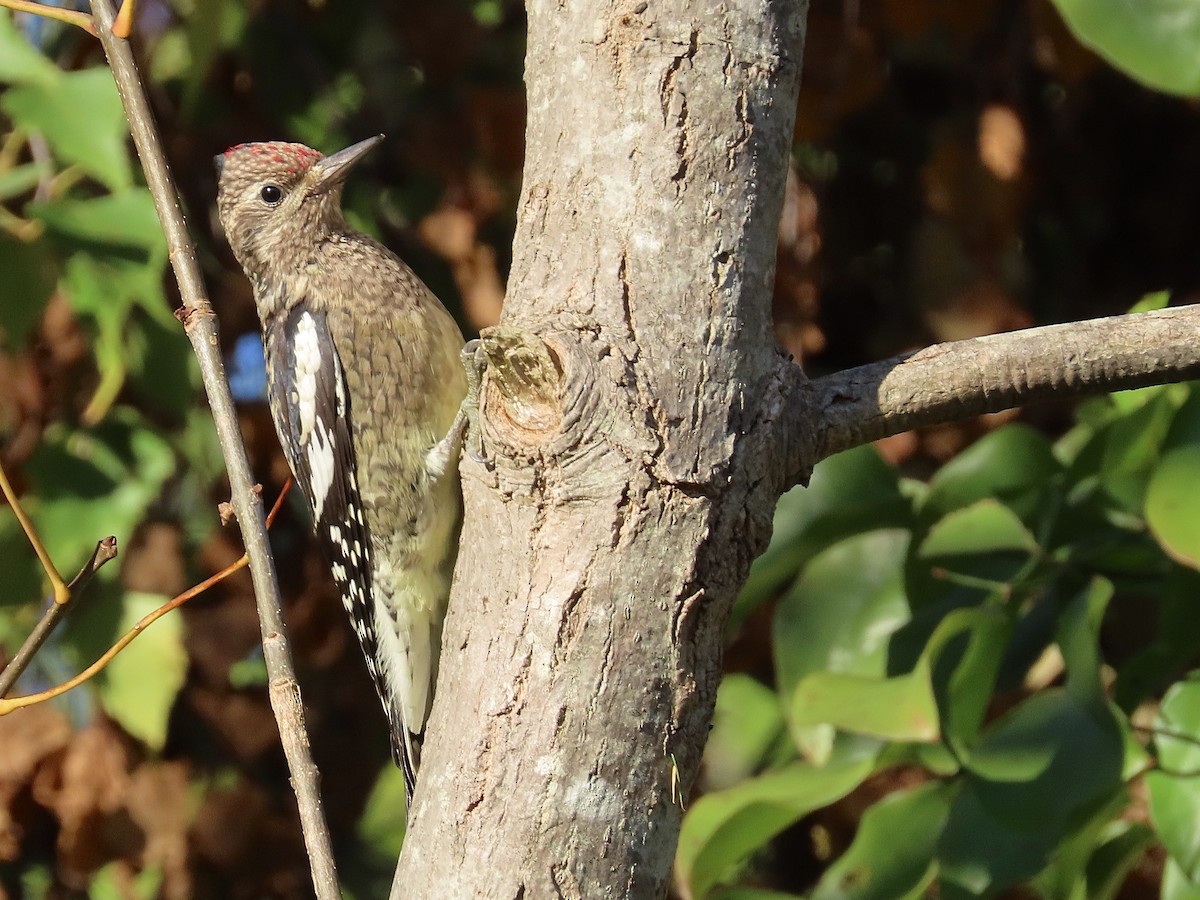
(473, 361)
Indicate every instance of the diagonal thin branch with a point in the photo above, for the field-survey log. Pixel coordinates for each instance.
(61, 593)
(954, 381)
(7, 706)
(201, 327)
(105, 550)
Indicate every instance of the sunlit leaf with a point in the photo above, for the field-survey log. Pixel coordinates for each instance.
(81, 116)
(1173, 504)
(725, 827)
(1154, 41)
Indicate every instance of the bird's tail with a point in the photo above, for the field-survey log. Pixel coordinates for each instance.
(406, 752)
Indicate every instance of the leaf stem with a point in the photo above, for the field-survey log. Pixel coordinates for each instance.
(70, 16)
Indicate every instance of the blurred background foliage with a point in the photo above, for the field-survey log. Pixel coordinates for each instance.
(963, 666)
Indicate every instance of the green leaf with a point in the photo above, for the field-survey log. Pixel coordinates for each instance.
(1078, 637)
(113, 883)
(1174, 788)
(978, 855)
(139, 686)
(19, 180)
(849, 493)
(1151, 302)
(1173, 504)
(1123, 845)
(892, 709)
(1047, 760)
(1153, 41)
(1132, 445)
(125, 219)
(965, 694)
(28, 282)
(19, 62)
(724, 828)
(80, 115)
(747, 725)
(750, 893)
(892, 857)
(839, 617)
(1012, 464)
(382, 826)
(903, 708)
(1175, 884)
(983, 527)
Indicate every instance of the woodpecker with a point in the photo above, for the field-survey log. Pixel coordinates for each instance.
(366, 390)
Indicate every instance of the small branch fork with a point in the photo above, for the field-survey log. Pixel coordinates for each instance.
(121, 27)
(105, 550)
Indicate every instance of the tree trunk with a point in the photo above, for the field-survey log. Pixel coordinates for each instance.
(630, 408)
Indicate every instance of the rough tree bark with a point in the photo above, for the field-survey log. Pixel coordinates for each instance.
(642, 425)
(628, 393)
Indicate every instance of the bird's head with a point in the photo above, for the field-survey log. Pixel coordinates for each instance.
(274, 197)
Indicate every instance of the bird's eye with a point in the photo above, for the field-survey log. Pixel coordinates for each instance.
(271, 194)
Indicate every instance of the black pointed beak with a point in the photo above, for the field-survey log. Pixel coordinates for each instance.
(333, 169)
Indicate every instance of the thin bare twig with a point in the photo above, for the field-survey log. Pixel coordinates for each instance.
(105, 550)
(70, 16)
(7, 706)
(61, 594)
(954, 381)
(201, 327)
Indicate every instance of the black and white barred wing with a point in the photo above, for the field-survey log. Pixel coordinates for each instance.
(310, 406)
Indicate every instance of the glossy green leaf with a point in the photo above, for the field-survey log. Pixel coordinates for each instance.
(1122, 847)
(1050, 748)
(894, 709)
(979, 855)
(1132, 445)
(849, 493)
(839, 617)
(1151, 302)
(1174, 788)
(983, 527)
(1153, 41)
(1079, 637)
(80, 114)
(965, 694)
(747, 726)
(724, 828)
(892, 857)
(905, 707)
(1173, 504)
(1012, 464)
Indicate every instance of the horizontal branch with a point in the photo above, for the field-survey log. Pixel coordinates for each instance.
(954, 381)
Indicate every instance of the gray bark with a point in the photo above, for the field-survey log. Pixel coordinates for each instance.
(627, 407)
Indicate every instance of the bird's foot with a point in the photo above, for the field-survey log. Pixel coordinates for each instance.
(464, 432)
(474, 361)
